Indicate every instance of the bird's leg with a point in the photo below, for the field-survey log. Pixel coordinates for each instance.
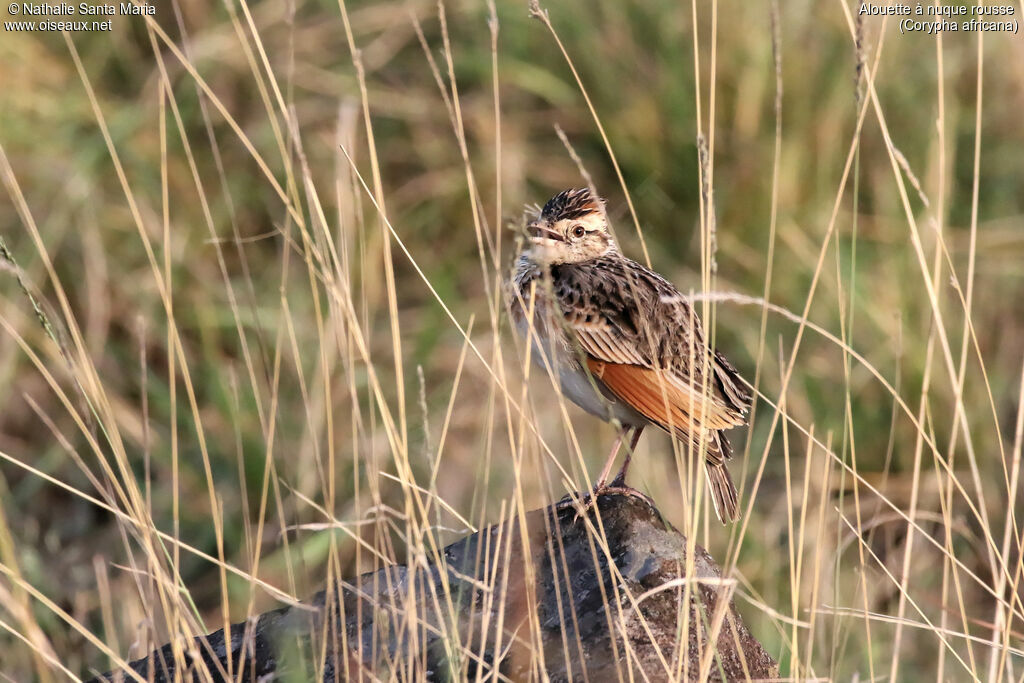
(620, 479)
(603, 479)
(618, 484)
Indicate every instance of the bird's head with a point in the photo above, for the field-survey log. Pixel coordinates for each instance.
(571, 228)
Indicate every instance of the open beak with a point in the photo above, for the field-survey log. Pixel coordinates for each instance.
(538, 232)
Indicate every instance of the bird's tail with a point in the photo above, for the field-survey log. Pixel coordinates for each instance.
(723, 492)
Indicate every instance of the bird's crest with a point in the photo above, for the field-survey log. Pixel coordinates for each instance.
(570, 204)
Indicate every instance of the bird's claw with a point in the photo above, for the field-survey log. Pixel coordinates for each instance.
(618, 486)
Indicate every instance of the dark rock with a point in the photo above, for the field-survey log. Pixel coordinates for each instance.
(462, 617)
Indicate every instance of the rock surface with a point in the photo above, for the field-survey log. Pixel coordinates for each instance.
(459, 618)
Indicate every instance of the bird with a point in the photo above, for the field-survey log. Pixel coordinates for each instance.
(625, 344)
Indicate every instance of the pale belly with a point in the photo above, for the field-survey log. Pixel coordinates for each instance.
(576, 384)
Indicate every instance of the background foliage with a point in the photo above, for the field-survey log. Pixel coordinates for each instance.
(229, 347)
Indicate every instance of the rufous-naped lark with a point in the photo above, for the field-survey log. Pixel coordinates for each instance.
(625, 344)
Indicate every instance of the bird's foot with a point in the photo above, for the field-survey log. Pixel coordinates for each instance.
(617, 486)
(619, 482)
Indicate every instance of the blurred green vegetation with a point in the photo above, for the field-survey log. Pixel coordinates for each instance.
(636, 61)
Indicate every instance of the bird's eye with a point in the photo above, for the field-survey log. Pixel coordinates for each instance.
(579, 231)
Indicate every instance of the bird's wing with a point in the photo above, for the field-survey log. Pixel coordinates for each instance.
(638, 334)
(659, 396)
(730, 384)
(599, 338)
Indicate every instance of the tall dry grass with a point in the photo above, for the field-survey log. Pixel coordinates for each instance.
(254, 333)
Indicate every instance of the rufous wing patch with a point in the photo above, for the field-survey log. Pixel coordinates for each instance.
(662, 398)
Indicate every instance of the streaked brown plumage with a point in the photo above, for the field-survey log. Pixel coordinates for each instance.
(624, 342)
